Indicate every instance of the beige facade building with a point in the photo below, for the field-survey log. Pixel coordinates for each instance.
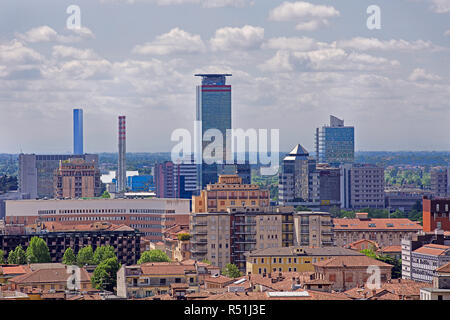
(313, 229)
(385, 232)
(366, 186)
(229, 192)
(225, 237)
(76, 178)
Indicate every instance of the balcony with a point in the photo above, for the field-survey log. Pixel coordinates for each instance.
(252, 232)
(245, 241)
(327, 233)
(327, 242)
(200, 224)
(199, 251)
(304, 223)
(246, 223)
(200, 242)
(200, 232)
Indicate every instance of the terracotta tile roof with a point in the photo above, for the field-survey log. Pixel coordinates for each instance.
(219, 280)
(432, 249)
(86, 297)
(318, 281)
(444, 269)
(348, 262)
(341, 224)
(166, 268)
(56, 275)
(179, 285)
(14, 270)
(395, 289)
(285, 283)
(310, 295)
(391, 249)
(354, 244)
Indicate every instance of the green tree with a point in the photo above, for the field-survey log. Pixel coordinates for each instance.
(18, 256)
(37, 251)
(2, 257)
(105, 274)
(85, 256)
(206, 261)
(102, 253)
(302, 208)
(153, 256)
(69, 257)
(184, 236)
(106, 195)
(231, 270)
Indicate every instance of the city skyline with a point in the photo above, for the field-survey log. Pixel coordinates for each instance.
(327, 60)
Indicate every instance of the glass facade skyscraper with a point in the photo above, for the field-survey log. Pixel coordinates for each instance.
(213, 112)
(77, 131)
(335, 144)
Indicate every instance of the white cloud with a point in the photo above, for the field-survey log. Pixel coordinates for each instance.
(440, 6)
(47, 34)
(247, 37)
(203, 3)
(360, 43)
(15, 52)
(420, 74)
(66, 52)
(279, 63)
(294, 44)
(447, 33)
(308, 16)
(175, 41)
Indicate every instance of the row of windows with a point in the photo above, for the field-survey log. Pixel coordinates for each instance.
(287, 260)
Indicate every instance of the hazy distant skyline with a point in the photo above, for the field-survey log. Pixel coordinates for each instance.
(293, 63)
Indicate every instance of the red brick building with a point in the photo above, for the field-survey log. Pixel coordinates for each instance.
(436, 214)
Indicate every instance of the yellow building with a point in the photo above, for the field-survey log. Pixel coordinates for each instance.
(291, 259)
(229, 191)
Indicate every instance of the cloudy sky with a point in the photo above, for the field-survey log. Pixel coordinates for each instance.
(293, 64)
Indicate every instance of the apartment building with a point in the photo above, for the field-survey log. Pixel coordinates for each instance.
(417, 241)
(149, 216)
(346, 272)
(229, 191)
(441, 285)
(385, 232)
(291, 259)
(366, 186)
(313, 229)
(439, 181)
(58, 237)
(436, 214)
(156, 278)
(426, 259)
(225, 237)
(76, 178)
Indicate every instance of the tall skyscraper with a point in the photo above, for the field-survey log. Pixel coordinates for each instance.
(121, 168)
(77, 131)
(335, 144)
(164, 180)
(439, 181)
(214, 112)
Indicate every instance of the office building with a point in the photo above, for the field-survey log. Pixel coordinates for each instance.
(122, 166)
(366, 186)
(439, 181)
(335, 143)
(436, 214)
(78, 131)
(75, 178)
(214, 112)
(313, 229)
(36, 173)
(441, 285)
(303, 182)
(291, 259)
(141, 183)
(185, 180)
(226, 236)
(164, 180)
(385, 232)
(293, 184)
(149, 216)
(403, 199)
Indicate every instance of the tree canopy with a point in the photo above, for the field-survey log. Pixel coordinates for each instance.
(153, 256)
(231, 270)
(85, 256)
(184, 236)
(17, 256)
(69, 257)
(105, 274)
(102, 253)
(37, 251)
(2, 257)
